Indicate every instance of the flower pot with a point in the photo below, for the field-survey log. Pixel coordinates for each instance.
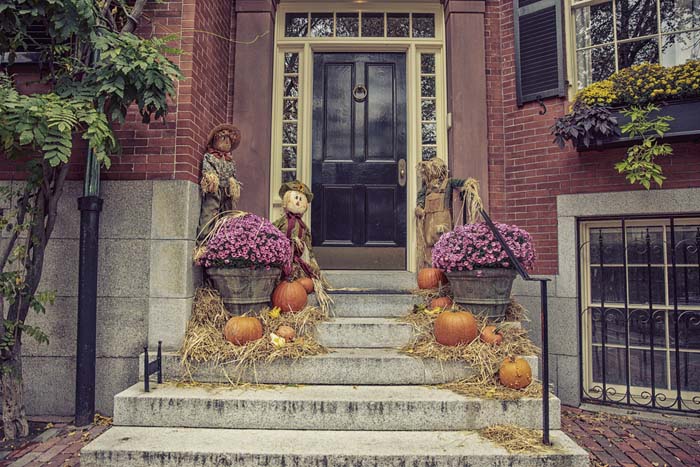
(483, 291)
(244, 290)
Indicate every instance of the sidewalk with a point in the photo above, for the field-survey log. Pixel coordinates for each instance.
(611, 440)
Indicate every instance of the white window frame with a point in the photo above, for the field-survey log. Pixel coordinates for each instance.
(307, 46)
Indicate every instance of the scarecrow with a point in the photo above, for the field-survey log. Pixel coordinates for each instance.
(434, 205)
(220, 188)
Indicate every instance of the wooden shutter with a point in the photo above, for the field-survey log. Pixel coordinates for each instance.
(539, 49)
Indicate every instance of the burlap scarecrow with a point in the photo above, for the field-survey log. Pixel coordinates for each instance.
(220, 188)
(434, 205)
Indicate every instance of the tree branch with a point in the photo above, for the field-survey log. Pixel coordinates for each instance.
(134, 16)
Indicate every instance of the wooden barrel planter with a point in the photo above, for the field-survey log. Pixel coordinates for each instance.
(483, 291)
(244, 290)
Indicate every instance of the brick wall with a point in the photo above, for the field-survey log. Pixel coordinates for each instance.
(170, 149)
(526, 170)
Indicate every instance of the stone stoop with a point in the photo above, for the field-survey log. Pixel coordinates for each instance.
(363, 404)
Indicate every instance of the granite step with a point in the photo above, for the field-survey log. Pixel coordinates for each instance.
(372, 280)
(175, 447)
(354, 408)
(364, 333)
(371, 304)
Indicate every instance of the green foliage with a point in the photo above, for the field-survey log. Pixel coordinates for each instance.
(639, 166)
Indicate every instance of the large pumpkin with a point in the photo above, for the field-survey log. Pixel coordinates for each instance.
(289, 296)
(455, 328)
(307, 283)
(431, 278)
(441, 302)
(240, 330)
(515, 373)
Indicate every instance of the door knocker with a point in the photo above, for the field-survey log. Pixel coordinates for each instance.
(359, 93)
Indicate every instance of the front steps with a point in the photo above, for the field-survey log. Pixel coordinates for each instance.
(364, 404)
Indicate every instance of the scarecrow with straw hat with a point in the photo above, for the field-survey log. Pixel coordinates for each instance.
(434, 205)
(220, 188)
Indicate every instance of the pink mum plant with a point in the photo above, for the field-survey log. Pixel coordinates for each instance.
(248, 241)
(474, 246)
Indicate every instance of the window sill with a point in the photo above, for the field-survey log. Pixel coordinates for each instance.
(684, 127)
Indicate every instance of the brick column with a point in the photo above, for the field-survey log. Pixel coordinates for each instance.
(466, 90)
(252, 99)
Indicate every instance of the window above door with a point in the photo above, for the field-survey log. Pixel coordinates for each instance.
(359, 24)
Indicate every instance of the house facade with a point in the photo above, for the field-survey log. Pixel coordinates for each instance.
(348, 97)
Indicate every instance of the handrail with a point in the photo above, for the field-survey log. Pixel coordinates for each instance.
(543, 318)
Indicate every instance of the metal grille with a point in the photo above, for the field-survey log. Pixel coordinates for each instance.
(640, 312)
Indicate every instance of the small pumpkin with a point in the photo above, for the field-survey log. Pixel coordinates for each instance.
(431, 278)
(289, 296)
(455, 328)
(491, 335)
(515, 373)
(441, 302)
(240, 330)
(307, 283)
(287, 332)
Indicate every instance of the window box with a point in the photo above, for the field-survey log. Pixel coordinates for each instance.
(684, 127)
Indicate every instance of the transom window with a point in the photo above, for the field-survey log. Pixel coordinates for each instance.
(360, 24)
(615, 34)
(640, 317)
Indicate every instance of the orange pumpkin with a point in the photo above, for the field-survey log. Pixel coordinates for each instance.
(491, 335)
(455, 328)
(515, 373)
(240, 330)
(431, 278)
(287, 332)
(441, 302)
(289, 296)
(307, 283)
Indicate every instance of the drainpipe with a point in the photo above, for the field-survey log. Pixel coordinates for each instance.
(90, 205)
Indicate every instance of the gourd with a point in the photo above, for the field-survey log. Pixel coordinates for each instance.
(240, 330)
(307, 283)
(441, 302)
(431, 278)
(287, 332)
(491, 335)
(289, 296)
(455, 328)
(515, 373)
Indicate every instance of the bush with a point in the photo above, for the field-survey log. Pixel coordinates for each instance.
(474, 246)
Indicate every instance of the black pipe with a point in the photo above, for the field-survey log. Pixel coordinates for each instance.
(545, 362)
(90, 207)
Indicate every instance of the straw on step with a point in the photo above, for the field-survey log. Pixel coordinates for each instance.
(516, 439)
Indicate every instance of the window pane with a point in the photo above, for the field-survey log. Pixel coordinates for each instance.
(289, 176)
(615, 370)
(639, 284)
(290, 110)
(429, 133)
(429, 152)
(635, 18)
(289, 133)
(676, 49)
(634, 53)
(372, 24)
(614, 325)
(688, 329)
(677, 15)
(690, 372)
(296, 24)
(291, 86)
(427, 86)
(397, 24)
(347, 25)
(610, 240)
(641, 251)
(594, 25)
(289, 157)
(640, 368)
(291, 62)
(427, 63)
(687, 240)
(641, 329)
(608, 284)
(423, 25)
(428, 110)
(595, 64)
(322, 24)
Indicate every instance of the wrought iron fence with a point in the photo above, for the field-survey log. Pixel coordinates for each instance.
(640, 312)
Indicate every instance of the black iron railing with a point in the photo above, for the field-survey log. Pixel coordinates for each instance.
(543, 317)
(149, 368)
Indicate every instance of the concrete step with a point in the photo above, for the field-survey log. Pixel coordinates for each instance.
(369, 408)
(340, 366)
(372, 280)
(175, 447)
(372, 305)
(364, 332)
(352, 366)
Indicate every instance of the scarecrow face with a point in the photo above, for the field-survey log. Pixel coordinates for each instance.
(223, 141)
(296, 202)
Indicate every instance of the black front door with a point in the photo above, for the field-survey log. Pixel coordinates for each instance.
(359, 168)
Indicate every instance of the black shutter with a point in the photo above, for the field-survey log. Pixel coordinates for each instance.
(539, 49)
